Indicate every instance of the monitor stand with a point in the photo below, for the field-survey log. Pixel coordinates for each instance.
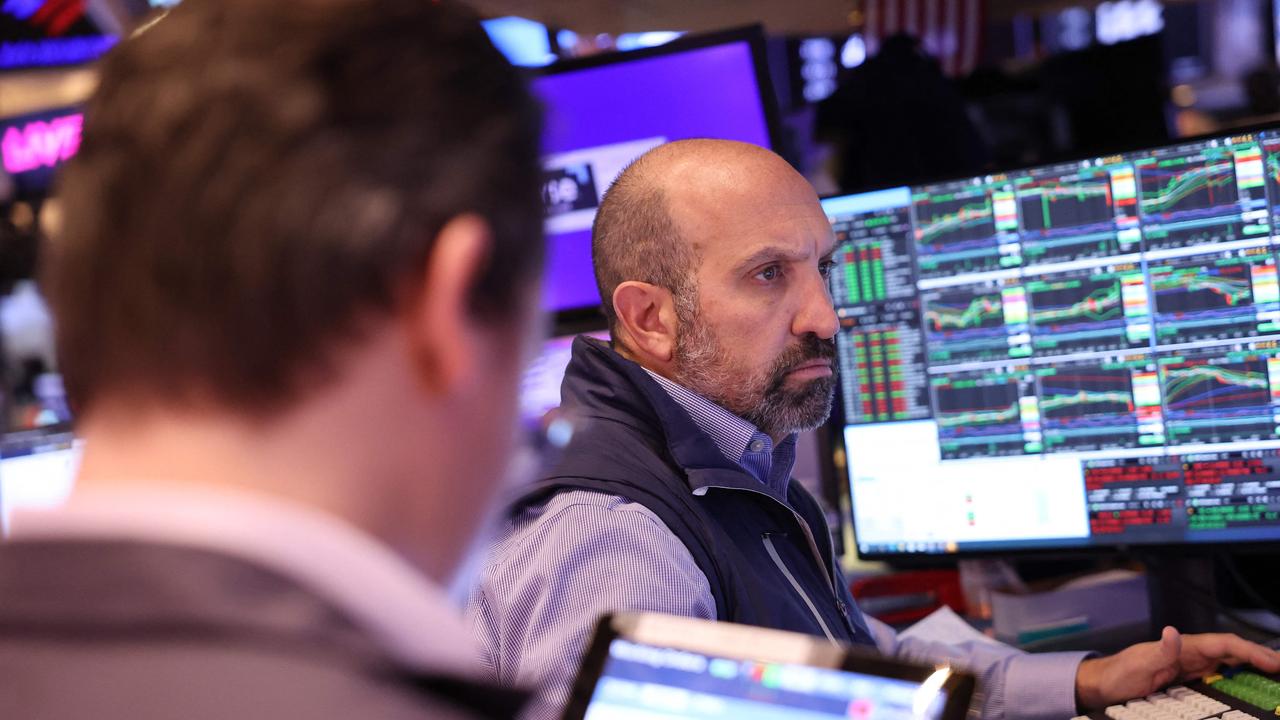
(1181, 591)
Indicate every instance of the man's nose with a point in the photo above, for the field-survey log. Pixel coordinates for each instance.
(817, 314)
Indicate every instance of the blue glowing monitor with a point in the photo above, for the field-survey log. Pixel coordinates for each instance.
(1069, 356)
(603, 112)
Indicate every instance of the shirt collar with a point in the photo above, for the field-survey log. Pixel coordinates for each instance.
(738, 439)
(404, 612)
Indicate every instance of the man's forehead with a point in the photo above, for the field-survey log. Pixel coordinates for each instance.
(747, 201)
(787, 231)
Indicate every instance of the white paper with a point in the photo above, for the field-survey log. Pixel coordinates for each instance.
(945, 626)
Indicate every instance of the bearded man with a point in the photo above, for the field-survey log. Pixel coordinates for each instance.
(675, 495)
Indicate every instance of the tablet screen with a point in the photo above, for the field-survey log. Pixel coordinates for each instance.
(642, 682)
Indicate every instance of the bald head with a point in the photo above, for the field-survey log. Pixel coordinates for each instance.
(713, 259)
(652, 223)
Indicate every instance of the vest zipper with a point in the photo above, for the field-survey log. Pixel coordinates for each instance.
(804, 527)
(841, 605)
(777, 560)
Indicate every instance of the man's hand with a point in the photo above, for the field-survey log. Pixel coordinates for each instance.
(1146, 667)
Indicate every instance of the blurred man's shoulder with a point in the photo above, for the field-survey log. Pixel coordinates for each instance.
(569, 514)
(223, 680)
(161, 630)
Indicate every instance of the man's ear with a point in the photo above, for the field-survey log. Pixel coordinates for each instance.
(444, 337)
(647, 314)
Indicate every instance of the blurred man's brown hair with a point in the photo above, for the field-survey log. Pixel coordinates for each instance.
(243, 197)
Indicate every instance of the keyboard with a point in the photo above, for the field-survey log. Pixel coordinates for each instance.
(1257, 690)
(1232, 695)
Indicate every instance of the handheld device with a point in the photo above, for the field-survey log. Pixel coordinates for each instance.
(648, 665)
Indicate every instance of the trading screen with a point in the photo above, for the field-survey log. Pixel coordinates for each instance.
(1084, 353)
(642, 681)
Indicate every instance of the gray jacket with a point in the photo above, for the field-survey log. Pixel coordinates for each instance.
(133, 631)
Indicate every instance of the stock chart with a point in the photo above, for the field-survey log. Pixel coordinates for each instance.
(1271, 173)
(1089, 212)
(1216, 296)
(1209, 195)
(1213, 398)
(880, 349)
(1084, 310)
(984, 413)
(964, 228)
(1121, 313)
(873, 257)
(1091, 404)
(985, 321)
(881, 359)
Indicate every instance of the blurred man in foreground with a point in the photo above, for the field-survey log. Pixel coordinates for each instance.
(712, 258)
(293, 291)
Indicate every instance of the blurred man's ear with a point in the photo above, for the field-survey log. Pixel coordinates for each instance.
(444, 336)
(647, 320)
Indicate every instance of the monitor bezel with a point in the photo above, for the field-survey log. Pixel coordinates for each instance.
(752, 35)
(834, 463)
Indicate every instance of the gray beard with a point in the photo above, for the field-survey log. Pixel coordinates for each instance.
(763, 399)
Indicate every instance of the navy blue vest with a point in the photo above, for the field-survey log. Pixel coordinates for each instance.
(767, 558)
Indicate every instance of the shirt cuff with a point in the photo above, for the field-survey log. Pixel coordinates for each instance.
(1042, 686)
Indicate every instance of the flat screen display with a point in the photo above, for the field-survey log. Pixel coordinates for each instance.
(39, 453)
(37, 471)
(1082, 354)
(602, 115)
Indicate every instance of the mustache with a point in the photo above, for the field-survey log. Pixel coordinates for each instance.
(809, 348)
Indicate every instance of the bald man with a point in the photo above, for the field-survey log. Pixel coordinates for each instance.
(676, 496)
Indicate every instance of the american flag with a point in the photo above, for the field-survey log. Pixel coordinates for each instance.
(54, 17)
(949, 30)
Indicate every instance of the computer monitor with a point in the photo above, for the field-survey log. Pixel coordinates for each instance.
(37, 470)
(522, 41)
(1076, 355)
(604, 111)
(38, 451)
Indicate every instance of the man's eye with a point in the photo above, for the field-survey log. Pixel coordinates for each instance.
(825, 267)
(769, 274)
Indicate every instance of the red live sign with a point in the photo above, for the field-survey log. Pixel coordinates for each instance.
(41, 143)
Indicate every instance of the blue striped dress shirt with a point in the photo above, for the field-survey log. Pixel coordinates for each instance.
(560, 565)
(738, 439)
